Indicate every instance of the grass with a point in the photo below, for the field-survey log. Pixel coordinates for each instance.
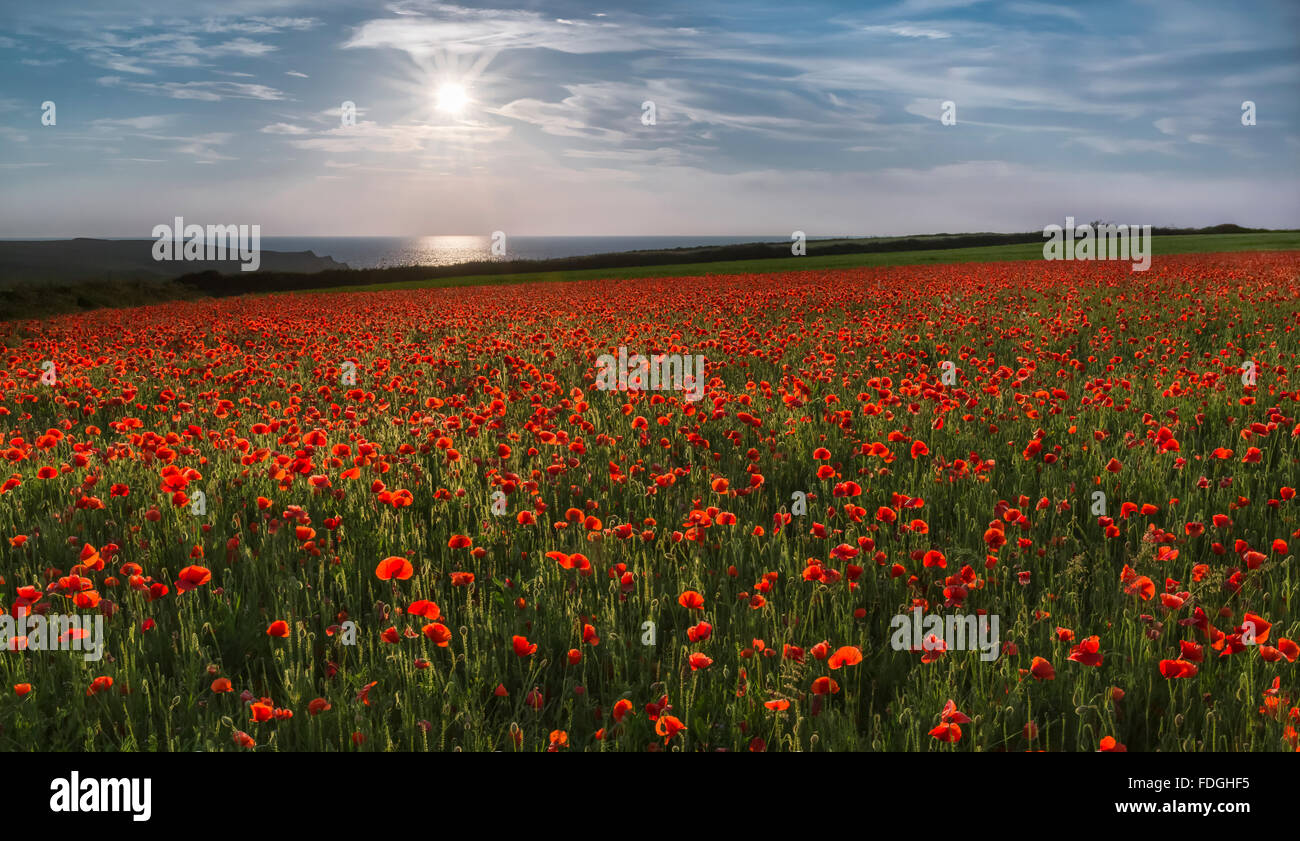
(21, 301)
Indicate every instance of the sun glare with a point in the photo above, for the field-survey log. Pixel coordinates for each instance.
(452, 98)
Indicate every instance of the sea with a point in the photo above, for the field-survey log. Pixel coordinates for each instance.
(388, 252)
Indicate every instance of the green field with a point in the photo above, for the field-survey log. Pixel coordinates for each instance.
(38, 300)
(1190, 244)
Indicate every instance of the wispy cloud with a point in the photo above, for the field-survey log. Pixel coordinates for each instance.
(458, 29)
(398, 139)
(764, 116)
(904, 30)
(148, 122)
(208, 91)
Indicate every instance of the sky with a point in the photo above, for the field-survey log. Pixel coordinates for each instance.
(529, 117)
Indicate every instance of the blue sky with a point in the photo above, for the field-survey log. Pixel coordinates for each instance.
(770, 117)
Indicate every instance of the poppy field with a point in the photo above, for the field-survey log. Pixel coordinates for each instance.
(413, 520)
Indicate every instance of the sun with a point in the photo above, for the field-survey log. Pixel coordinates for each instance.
(452, 98)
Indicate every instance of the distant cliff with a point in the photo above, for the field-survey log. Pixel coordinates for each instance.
(89, 260)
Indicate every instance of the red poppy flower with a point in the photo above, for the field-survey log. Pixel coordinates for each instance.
(825, 686)
(1087, 652)
(192, 577)
(394, 567)
(691, 600)
(845, 656)
(1109, 745)
(668, 726)
(1041, 669)
(1173, 669)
